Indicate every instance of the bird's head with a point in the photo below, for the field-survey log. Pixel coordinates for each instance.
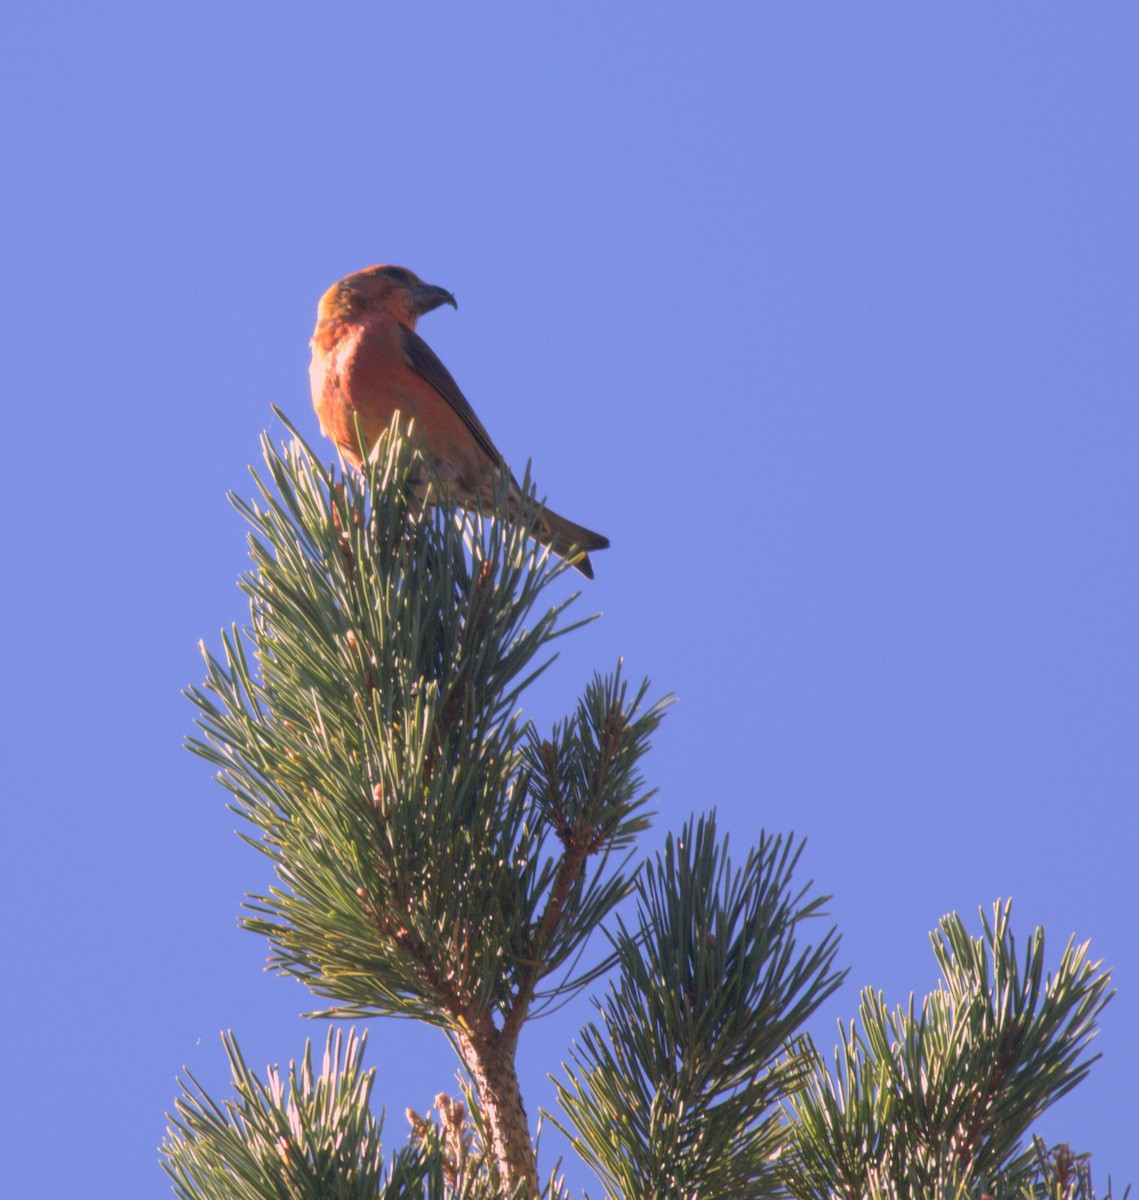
(393, 292)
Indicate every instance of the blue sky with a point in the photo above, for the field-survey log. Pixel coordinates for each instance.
(825, 315)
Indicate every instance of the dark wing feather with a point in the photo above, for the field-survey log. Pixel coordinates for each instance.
(425, 363)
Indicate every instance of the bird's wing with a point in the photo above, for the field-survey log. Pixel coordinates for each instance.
(425, 363)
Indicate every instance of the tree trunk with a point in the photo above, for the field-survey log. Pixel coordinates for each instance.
(490, 1060)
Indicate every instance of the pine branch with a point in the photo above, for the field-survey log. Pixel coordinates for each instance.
(939, 1103)
(676, 1093)
(307, 1136)
(367, 725)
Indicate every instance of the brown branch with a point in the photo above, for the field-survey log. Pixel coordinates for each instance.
(579, 844)
(489, 1056)
(394, 923)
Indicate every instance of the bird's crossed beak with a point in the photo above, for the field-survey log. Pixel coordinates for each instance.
(428, 296)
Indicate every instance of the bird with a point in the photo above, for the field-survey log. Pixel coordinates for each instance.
(368, 362)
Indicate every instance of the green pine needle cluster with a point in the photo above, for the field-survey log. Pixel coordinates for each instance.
(937, 1103)
(677, 1091)
(305, 1136)
(419, 826)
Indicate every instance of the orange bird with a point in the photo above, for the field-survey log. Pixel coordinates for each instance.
(368, 362)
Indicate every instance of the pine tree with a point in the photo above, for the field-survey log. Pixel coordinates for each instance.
(440, 858)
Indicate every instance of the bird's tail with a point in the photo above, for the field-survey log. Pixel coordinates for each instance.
(560, 535)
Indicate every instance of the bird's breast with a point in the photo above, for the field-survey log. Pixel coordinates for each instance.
(333, 349)
(361, 374)
(355, 379)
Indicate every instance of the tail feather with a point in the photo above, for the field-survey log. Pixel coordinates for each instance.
(561, 534)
